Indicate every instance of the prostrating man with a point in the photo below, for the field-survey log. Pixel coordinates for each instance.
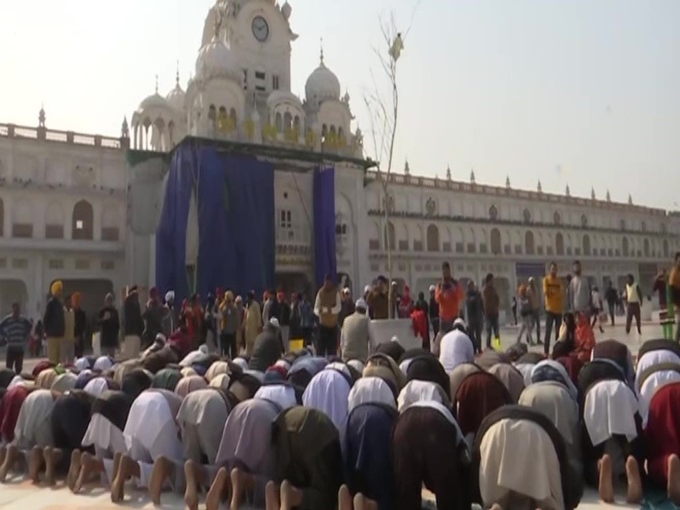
(326, 308)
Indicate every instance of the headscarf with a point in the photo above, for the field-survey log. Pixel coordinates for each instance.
(428, 368)
(554, 401)
(114, 406)
(651, 358)
(525, 369)
(187, 372)
(9, 411)
(328, 391)
(511, 378)
(478, 395)
(64, 382)
(618, 353)
(166, 379)
(82, 364)
(97, 386)
(371, 390)
(610, 409)
(56, 288)
(283, 395)
(125, 368)
(417, 391)
(304, 369)
(46, 378)
(188, 384)
(169, 296)
(219, 367)
(103, 363)
(244, 386)
(135, 383)
(490, 358)
(241, 363)
(220, 381)
(393, 349)
(40, 366)
(550, 370)
(459, 374)
(455, 348)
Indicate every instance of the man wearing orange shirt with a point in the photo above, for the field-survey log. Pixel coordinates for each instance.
(449, 295)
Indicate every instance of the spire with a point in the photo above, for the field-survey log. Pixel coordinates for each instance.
(177, 75)
(321, 52)
(156, 84)
(539, 187)
(507, 181)
(41, 116)
(448, 173)
(592, 193)
(125, 129)
(630, 199)
(407, 169)
(609, 198)
(472, 176)
(567, 191)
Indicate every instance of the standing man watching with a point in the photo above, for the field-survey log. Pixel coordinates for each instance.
(449, 294)
(553, 290)
(54, 322)
(580, 295)
(15, 330)
(535, 304)
(491, 302)
(674, 284)
(133, 324)
(326, 308)
(611, 296)
(434, 311)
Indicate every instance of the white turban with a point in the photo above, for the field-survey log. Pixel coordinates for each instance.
(170, 296)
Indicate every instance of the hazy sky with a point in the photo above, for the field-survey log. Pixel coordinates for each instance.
(584, 92)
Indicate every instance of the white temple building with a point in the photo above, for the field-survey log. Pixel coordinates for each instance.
(85, 208)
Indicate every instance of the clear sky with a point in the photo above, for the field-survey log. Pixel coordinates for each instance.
(578, 92)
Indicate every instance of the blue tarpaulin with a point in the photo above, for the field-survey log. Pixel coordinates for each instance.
(235, 203)
(324, 224)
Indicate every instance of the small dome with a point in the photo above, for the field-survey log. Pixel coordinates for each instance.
(286, 10)
(282, 96)
(176, 98)
(322, 84)
(216, 60)
(153, 101)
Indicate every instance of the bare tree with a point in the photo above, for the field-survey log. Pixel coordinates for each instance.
(382, 103)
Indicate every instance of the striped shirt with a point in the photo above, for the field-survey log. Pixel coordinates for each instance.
(15, 330)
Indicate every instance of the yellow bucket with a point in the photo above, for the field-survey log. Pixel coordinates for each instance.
(296, 345)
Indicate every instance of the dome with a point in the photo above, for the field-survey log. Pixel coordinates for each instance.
(282, 96)
(153, 101)
(176, 98)
(322, 84)
(216, 60)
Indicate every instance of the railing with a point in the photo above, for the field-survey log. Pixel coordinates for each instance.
(55, 135)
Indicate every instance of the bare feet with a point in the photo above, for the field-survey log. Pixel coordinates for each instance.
(51, 456)
(217, 490)
(361, 502)
(191, 492)
(3, 452)
(35, 462)
(290, 496)
(344, 498)
(89, 466)
(674, 479)
(74, 469)
(162, 470)
(11, 456)
(239, 484)
(271, 496)
(127, 468)
(606, 487)
(634, 481)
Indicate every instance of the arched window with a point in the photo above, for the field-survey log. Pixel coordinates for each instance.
(557, 219)
(389, 236)
(666, 250)
(646, 247)
(287, 121)
(584, 220)
(212, 114)
(559, 243)
(586, 245)
(529, 242)
(527, 216)
(296, 124)
(624, 246)
(493, 213)
(278, 122)
(496, 241)
(432, 238)
(232, 115)
(2, 219)
(82, 224)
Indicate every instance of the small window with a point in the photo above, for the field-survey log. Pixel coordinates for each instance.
(275, 82)
(260, 88)
(245, 79)
(260, 75)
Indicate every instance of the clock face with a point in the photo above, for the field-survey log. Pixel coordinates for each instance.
(260, 28)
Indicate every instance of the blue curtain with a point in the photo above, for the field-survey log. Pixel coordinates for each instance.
(235, 222)
(324, 224)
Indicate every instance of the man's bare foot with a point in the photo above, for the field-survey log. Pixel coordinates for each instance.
(162, 470)
(271, 495)
(3, 452)
(239, 484)
(361, 502)
(89, 466)
(290, 496)
(191, 492)
(74, 469)
(216, 492)
(634, 481)
(11, 456)
(51, 456)
(673, 476)
(344, 498)
(126, 469)
(605, 486)
(35, 462)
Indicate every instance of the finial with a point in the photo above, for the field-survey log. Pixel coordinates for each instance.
(125, 129)
(609, 198)
(448, 173)
(177, 74)
(407, 169)
(472, 176)
(507, 181)
(156, 84)
(539, 187)
(41, 116)
(630, 199)
(321, 55)
(567, 191)
(592, 193)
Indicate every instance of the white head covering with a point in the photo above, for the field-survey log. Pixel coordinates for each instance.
(170, 296)
(340, 367)
(416, 391)
(241, 363)
(566, 380)
(358, 365)
(328, 391)
(361, 303)
(82, 364)
(432, 288)
(103, 363)
(281, 394)
(369, 390)
(455, 349)
(652, 384)
(403, 366)
(525, 369)
(609, 410)
(367, 289)
(220, 381)
(652, 358)
(96, 386)
(274, 322)
(16, 381)
(191, 358)
(64, 382)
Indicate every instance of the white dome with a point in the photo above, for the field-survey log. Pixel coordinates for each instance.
(153, 101)
(282, 96)
(176, 98)
(322, 84)
(216, 60)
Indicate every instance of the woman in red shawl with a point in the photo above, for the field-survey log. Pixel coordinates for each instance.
(193, 316)
(585, 338)
(406, 304)
(662, 438)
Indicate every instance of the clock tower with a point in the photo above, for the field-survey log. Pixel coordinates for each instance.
(259, 35)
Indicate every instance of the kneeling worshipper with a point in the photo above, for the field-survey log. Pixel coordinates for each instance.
(327, 392)
(366, 447)
(612, 443)
(32, 433)
(428, 368)
(383, 366)
(429, 449)
(308, 461)
(166, 379)
(618, 353)
(510, 479)
(662, 440)
(190, 384)
(46, 378)
(134, 383)
(416, 391)
(456, 347)
(652, 379)
(103, 363)
(511, 378)
(478, 396)
(9, 414)
(303, 369)
(70, 420)
(98, 385)
(654, 353)
(245, 460)
(284, 395)
(458, 375)
(200, 419)
(150, 432)
(104, 435)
